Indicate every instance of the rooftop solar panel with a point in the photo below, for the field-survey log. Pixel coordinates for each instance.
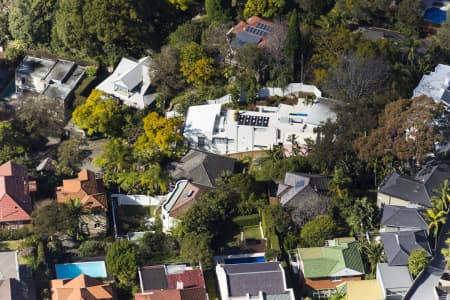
(247, 38)
(259, 121)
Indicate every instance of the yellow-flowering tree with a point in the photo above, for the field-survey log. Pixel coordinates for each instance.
(196, 67)
(161, 136)
(99, 114)
(181, 4)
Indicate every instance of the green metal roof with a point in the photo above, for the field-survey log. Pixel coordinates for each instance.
(328, 260)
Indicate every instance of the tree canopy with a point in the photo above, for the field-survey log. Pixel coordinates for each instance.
(121, 262)
(317, 231)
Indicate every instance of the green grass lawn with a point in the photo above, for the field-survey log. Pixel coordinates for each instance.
(9, 245)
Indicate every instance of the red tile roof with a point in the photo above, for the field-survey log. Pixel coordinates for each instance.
(15, 201)
(189, 278)
(252, 21)
(87, 188)
(82, 287)
(196, 293)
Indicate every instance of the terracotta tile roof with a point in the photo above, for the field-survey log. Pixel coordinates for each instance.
(80, 288)
(87, 188)
(251, 22)
(15, 201)
(190, 278)
(196, 293)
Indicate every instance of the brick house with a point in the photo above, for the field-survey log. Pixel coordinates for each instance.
(324, 269)
(15, 200)
(91, 192)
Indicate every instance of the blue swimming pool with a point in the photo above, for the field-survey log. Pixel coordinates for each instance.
(435, 15)
(94, 269)
(244, 260)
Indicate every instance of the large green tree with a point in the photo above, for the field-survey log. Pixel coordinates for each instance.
(215, 10)
(263, 8)
(317, 231)
(31, 21)
(54, 218)
(121, 262)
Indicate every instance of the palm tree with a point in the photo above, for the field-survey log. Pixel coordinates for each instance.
(435, 218)
(374, 253)
(442, 201)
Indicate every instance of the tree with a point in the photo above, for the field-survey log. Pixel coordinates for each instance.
(355, 78)
(115, 158)
(292, 46)
(197, 68)
(121, 262)
(149, 180)
(92, 248)
(435, 218)
(213, 41)
(443, 35)
(409, 14)
(99, 114)
(31, 21)
(442, 201)
(70, 155)
(185, 33)
(374, 252)
(407, 131)
(52, 219)
(12, 144)
(195, 249)
(161, 135)
(417, 262)
(317, 231)
(165, 72)
(361, 216)
(215, 10)
(339, 184)
(263, 8)
(315, 8)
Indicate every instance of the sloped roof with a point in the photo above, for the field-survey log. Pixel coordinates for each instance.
(201, 167)
(153, 278)
(196, 293)
(252, 278)
(15, 201)
(87, 188)
(189, 278)
(295, 183)
(399, 245)
(342, 258)
(394, 277)
(398, 216)
(81, 287)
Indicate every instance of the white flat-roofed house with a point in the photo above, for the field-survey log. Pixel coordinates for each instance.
(130, 82)
(435, 85)
(209, 127)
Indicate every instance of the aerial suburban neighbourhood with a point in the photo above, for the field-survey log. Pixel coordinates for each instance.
(224, 150)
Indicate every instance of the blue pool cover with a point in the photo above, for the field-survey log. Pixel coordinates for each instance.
(435, 15)
(244, 260)
(94, 269)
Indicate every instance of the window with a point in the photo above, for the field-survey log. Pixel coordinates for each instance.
(335, 278)
(97, 225)
(201, 141)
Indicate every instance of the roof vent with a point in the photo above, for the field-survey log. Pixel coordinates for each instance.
(179, 285)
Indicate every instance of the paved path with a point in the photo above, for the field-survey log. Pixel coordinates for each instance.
(423, 286)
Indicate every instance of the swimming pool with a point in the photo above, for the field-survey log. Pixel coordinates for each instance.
(435, 15)
(94, 269)
(244, 260)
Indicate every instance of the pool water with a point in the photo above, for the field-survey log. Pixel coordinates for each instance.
(244, 260)
(435, 15)
(94, 269)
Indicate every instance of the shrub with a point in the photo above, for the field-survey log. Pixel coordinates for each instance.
(417, 262)
(14, 234)
(92, 248)
(272, 254)
(317, 231)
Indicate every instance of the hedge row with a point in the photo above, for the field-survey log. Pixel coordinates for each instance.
(268, 226)
(14, 234)
(247, 221)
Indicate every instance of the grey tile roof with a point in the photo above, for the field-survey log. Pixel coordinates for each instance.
(201, 167)
(252, 278)
(398, 216)
(418, 189)
(153, 278)
(9, 266)
(399, 245)
(295, 183)
(393, 277)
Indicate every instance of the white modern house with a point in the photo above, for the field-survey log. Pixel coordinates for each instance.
(130, 82)
(435, 85)
(209, 127)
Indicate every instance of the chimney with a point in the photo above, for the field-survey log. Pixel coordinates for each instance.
(179, 285)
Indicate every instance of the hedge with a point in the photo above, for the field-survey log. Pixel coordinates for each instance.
(14, 234)
(268, 226)
(247, 221)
